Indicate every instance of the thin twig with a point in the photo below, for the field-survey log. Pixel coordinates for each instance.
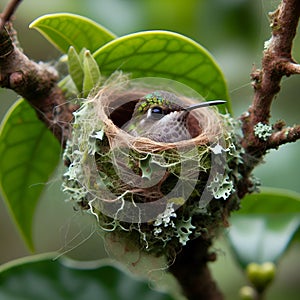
(286, 135)
(292, 68)
(8, 12)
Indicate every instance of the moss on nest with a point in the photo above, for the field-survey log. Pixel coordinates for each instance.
(160, 195)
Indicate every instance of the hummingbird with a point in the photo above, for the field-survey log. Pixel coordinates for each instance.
(159, 117)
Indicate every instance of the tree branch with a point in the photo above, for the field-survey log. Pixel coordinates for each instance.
(277, 62)
(292, 68)
(191, 270)
(286, 135)
(8, 12)
(37, 83)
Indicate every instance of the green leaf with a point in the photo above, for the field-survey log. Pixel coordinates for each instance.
(271, 201)
(44, 278)
(265, 226)
(64, 30)
(91, 73)
(168, 55)
(75, 68)
(29, 153)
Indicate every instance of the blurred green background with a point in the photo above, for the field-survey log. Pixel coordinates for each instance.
(234, 31)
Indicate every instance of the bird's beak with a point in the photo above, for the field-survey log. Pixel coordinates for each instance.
(204, 104)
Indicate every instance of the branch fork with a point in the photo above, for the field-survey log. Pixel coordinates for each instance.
(276, 62)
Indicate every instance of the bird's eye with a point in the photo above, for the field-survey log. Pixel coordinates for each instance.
(157, 110)
(156, 113)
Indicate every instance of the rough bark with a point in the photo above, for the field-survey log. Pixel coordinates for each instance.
(37, 83)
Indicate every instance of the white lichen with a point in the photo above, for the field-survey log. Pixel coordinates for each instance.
(183, 230)
(221, 186)
(262, 131)
(164, 218)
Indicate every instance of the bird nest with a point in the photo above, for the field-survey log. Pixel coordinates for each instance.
(160, 195)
